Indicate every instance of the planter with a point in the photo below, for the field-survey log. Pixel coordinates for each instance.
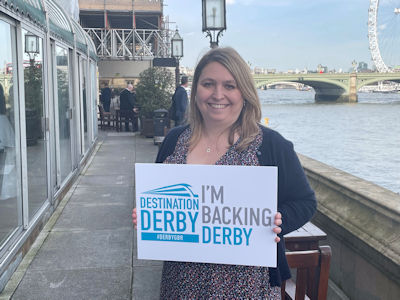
(33, 127)
(147, 129)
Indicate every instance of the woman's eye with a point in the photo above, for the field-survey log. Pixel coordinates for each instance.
(207, 84)
(230, 87)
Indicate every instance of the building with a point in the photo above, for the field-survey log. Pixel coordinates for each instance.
(363, 67)
(48, 118)
(322, 69)
(128, 36)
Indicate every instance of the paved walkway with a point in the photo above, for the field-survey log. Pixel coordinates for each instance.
(87, 249)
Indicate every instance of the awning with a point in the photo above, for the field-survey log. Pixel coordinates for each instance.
(31, 9)
(80, 38)
(60, 23)
(92, 48)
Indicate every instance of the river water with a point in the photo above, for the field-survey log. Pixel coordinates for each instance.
(361, 138)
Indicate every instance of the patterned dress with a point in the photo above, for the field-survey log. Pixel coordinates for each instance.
(187, 280)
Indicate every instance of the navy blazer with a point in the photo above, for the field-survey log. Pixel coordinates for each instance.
(179, 104)
(296, 199)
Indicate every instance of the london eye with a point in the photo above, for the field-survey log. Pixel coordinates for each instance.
(383, 29)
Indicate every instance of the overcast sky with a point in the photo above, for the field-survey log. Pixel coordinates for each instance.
(281, 34)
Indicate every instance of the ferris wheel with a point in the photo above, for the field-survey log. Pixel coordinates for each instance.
(383, 34)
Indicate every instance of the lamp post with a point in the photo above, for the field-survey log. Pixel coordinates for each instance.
(31, 47)
(177, 52)
(214, 19)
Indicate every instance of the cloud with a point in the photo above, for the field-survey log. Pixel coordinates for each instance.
(382, 27)
(229, 2)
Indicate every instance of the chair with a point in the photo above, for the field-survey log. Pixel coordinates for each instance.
(311, 277)
(126, 116)
(106, 119)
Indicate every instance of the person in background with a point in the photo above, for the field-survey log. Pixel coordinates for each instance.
(106, 97)
(179, 103)
(114, 101)
(8, 173)
(127, 102)
(225, 129)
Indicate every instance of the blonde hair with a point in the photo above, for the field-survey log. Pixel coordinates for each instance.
(247, 123)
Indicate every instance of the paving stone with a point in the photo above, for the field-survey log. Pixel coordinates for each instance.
(95, 216)
(76, 284)
(85, 249)
(107, 180)
(146, 282)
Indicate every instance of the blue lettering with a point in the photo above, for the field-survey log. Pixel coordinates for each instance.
(156, 220)
(180, 221)
(154, 205)
(206, 234)
(168, 218)
(143, 220)
(148, 199)
(195, 204)
(237, 236)
(216, 235)
(247, 235)
(142, 202)
(193, 219)
(226, 234)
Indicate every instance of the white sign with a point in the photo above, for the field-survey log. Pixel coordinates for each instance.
(204, 213)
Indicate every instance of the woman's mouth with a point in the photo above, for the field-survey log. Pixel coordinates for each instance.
(218, 106)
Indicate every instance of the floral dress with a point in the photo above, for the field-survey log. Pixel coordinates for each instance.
(187, 280)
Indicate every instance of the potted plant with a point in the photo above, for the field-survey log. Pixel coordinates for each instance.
(154, 91)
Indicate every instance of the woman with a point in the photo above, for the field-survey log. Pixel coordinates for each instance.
(224, 129)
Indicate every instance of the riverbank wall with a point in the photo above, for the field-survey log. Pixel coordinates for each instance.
(362, 221)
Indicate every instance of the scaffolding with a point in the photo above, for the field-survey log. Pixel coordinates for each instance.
(127, 30)
(131, 44)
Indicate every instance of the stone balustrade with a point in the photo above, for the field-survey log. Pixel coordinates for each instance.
(362, 221)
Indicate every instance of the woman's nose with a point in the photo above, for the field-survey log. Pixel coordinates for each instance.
(218, 92)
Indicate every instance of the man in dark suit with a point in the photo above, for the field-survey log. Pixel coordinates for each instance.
(127, 101)
(180, 102)
(106, 97)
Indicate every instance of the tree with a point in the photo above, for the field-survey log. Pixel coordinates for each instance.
(154, 90)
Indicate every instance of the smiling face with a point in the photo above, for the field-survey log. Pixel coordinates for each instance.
(218, 97)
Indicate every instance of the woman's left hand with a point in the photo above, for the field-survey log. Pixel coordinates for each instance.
(278, 223)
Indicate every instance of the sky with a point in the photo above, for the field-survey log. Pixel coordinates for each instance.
(280, 34)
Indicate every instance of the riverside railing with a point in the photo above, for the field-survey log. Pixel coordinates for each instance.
(362, 221)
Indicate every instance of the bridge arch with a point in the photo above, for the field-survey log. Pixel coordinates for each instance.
(361, 83)
(325, 89)
(340, 87)
(290, 83)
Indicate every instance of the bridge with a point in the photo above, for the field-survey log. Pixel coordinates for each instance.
(339, 87)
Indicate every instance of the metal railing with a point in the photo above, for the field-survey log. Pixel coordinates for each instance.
(138, 44)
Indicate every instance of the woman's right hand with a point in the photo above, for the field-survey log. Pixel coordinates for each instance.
(134, 217)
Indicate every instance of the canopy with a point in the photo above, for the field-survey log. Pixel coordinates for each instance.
(32, 9)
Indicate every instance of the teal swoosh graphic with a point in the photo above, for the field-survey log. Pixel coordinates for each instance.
(180, 190)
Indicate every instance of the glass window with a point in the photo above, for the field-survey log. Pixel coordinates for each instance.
(86, 143)
(8, 163)
(93, 79)
(34, 116)
(64, 112)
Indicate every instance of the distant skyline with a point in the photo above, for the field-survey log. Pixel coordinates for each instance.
(282, 35)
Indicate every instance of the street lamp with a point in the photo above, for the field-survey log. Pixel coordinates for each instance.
(31, 46)
(177, 52)
(214, 19)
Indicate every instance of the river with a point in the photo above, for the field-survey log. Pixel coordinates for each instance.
(360, 138)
